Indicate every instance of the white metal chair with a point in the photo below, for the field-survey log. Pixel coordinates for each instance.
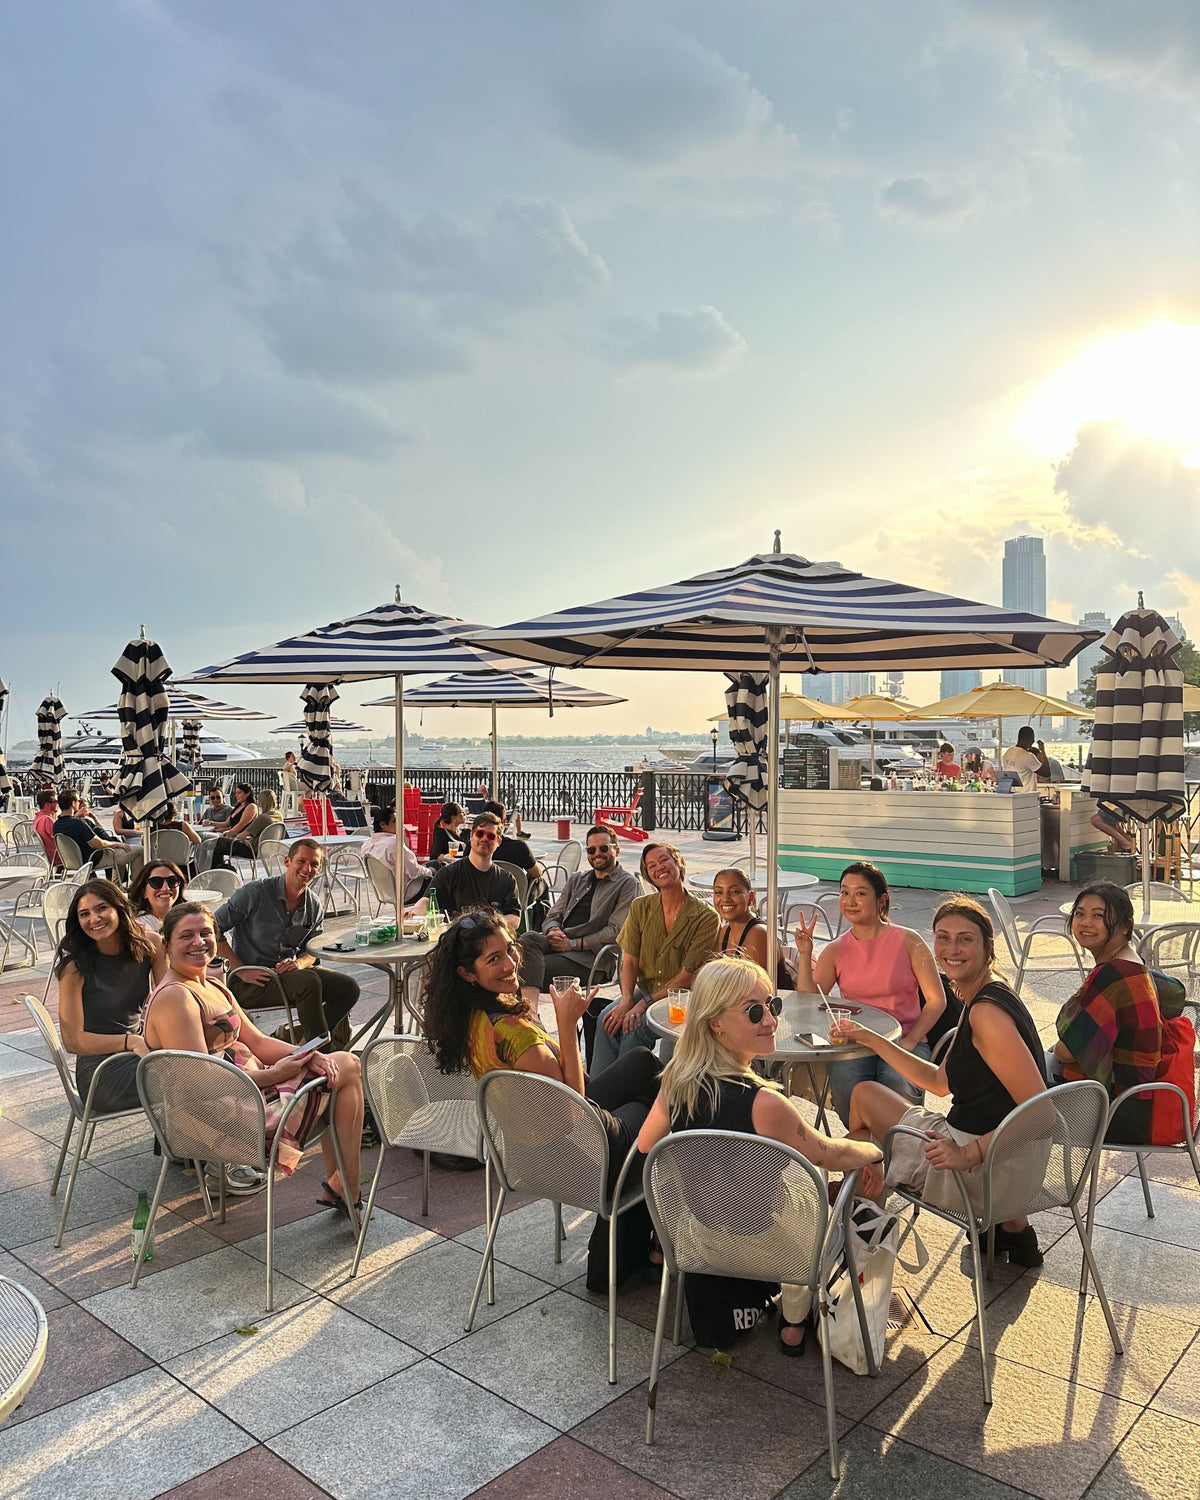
(1020, 943)
(1172, 946)
(225, 881)
(1160, 890)
(172, 846)
(547, 1141)
(416, 1106)
(272, 856)
(383, 883)
(1041, 1156)
(727, 1204)
(522, 880)
(203, 1109)
(830, 904)
(345, 868)
(69, 854)
(570, 856)
(22, 1344)
(793, 906)
(82, 1111)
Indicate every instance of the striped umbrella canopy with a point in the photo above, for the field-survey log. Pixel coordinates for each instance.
(336, 726)
(48, 762)
(181, 705)
(5, 779)
(776, 609)
(191, 742)
(317, 752)
(148, 780)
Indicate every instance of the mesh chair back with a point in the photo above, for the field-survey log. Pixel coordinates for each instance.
(736, 1205)
(273, 833)
(382, 881)
(272, 856)
(519, 876)
(171, 845)
(1041, 1154)
(68, 852)
(44, 1022)
(1160, 890)
(570, 856)
(1006, 922)
(546, 1139)
(413, 1103)
(225, 881)
(203, 1108)
(1172, 946)
(56, 903)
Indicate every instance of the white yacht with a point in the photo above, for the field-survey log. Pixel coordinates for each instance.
(89, 749)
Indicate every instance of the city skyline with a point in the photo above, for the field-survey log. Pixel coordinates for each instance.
(1023, 586)
(523, 307)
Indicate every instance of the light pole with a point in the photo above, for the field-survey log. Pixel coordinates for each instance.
(713, 736)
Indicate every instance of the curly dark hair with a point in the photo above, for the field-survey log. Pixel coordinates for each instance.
(79, 949)
(449, 999)
(137, 891)
(1118, 908)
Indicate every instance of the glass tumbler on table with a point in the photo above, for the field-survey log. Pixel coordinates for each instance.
(838, 1016)
(677, 1006)
(362, 932)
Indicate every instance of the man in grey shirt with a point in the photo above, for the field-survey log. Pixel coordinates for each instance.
(217, 810)
(265, 927)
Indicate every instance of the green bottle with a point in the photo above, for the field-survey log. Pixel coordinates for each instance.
(143, 1230)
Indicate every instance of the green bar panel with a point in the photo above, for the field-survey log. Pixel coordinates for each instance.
(1011, 878)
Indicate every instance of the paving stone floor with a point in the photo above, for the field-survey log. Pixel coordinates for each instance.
(370, 1387)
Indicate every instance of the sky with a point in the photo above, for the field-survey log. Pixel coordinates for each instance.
(522, 306)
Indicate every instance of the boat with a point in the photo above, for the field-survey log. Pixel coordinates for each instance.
(88, 750)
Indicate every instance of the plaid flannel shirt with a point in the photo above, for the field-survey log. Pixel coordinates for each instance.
(1113, 1028)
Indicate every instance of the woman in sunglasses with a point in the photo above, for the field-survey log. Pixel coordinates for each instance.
(709, 1085)
(156, 890)
(104, 970)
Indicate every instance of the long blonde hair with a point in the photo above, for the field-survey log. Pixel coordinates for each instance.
(700, 1061)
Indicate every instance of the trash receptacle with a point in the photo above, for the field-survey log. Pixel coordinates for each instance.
(1121, 869)
(564, 828)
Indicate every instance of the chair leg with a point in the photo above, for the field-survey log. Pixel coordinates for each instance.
(425, 1186)
(369, 1210)
(155, 1201)
(487, 1256)
(612, 1296)
(221, 1199)
(827, 1377)
(977, 1268)
(202, 1175)
(558, 1234)
(1141, 1161)
(856, 1289)
(677, 1331)
(1091, 1218)
(487, 1219)
(91, 1135)
(660, 1324)
(66, 1208)
(1085, 1240)
(62, 1155)
(271, 1232)
(991, 1256)
(337, 1156)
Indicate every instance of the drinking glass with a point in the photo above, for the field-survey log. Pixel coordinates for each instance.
(677, 1006)
(838, 1016)
(561, 985)
(362, 932)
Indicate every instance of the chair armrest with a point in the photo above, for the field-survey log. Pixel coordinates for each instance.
(1145, 1088)
(615, 1203)
(1039, 924)
(104, 1062)
(923, 1138)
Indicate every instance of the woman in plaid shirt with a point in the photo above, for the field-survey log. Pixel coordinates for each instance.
(1111, 1029)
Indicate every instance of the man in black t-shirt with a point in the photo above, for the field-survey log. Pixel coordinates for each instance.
(474, 880)
(102, 853)
(517, 852)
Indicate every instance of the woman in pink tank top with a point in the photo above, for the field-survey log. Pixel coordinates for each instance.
(874, 963)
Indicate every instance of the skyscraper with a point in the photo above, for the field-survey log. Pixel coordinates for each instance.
(836, 687)
(1024, 588)
(1089, 658)
(960, 681)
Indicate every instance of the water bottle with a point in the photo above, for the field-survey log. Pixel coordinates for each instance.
(142, 1235)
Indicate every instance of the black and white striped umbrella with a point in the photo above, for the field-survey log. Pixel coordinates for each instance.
(182, 705)
(191, 742)
(5, 779)
(336, 726)
(746, 702)
(48, 762)
(317, 752)
(1137, 736)
(148, 780)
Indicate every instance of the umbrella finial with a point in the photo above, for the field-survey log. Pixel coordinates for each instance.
(399, 600)
(1141, 601)
(777, 547)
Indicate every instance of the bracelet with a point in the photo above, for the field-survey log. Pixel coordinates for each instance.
(125, 1042)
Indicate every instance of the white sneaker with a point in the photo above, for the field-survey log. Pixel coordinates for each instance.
(238, 1180)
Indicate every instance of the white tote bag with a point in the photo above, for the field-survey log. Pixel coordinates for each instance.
(876, 1249)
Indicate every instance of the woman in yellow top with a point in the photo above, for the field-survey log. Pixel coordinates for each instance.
(475, 1017)
(665, 939)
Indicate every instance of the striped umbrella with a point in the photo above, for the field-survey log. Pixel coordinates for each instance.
(746, 705)
(1137, 738)
(5, 779)
(317, 753)
(181, 706)
(778, 608)
(499, 690)
(191, 742)
(148, 780)
(49, 760)
(336, 726)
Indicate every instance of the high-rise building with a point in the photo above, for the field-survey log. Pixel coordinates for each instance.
(836, 687)
(960, 681)
(818, 686)
(1024, 588)
(1089, 658)
(893, 684)
(1176, 625)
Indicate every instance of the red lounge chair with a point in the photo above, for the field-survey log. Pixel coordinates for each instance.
(606, 817)
(313, 815)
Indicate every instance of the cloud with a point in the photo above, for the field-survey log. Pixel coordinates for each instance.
(1136, 490)
(700, 342)
(373, 296)
(946, 203)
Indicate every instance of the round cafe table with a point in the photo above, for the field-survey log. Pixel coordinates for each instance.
(395, 959)
(17, 875)
(205, 898)
(802, 1038)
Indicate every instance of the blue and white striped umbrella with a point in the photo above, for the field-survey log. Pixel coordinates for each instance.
(828, 618)
(336, 726)
(48, 762)
(316, 755)
(746, 700)
(148, 780)
(181, 705)
(191, 742)
(5, 779)
(505, 689)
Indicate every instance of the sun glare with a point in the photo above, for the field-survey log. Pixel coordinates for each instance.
(1149, 381)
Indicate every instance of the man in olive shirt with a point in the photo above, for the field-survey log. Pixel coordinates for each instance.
(665, 939)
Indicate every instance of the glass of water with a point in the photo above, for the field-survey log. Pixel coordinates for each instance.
(362, 932)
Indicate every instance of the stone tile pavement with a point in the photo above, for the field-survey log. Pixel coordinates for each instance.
(186, 1388)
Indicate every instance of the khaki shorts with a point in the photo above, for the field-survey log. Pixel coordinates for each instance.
(1014, 1183)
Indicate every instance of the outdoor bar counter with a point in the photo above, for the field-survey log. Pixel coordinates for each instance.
(939, 840)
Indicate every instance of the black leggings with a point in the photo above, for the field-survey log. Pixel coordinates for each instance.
(624, 1094)
(224, 847)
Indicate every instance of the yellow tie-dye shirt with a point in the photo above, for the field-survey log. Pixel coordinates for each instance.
(496, 1039)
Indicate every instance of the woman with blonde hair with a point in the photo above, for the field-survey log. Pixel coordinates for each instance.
(709, 1085)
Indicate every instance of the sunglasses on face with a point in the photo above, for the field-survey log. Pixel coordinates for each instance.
(593, 850)
(158, 882)
(489, 834)
(754, 1013)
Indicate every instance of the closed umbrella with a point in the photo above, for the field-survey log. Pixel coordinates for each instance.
(191, 743)
(316, 754)
(1136, 765)
(746, 704)
(148, 779)
(499, 690)
(48, 762)
(778, 608)
(5, 779)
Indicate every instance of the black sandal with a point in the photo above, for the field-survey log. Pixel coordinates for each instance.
(792, 1351)
(334, 1199)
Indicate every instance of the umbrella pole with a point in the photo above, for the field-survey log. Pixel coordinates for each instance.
(400, 833)
(1147, 842)
(872, 750)
(774, 633)
(495, 760)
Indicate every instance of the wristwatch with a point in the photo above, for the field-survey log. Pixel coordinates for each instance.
(573, 944)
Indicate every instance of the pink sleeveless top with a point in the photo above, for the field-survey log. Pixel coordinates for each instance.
(879, 973)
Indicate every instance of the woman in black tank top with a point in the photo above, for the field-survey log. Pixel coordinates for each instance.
(742, 929)
(995, 1062)
(708, 1085)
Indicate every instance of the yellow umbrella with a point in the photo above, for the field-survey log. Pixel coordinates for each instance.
(1005, 700)
(795, 706)
(1191, 698)
(878, 707)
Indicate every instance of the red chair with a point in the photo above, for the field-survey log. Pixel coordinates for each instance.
(606, 817)
(321, 822)
(426, 822)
